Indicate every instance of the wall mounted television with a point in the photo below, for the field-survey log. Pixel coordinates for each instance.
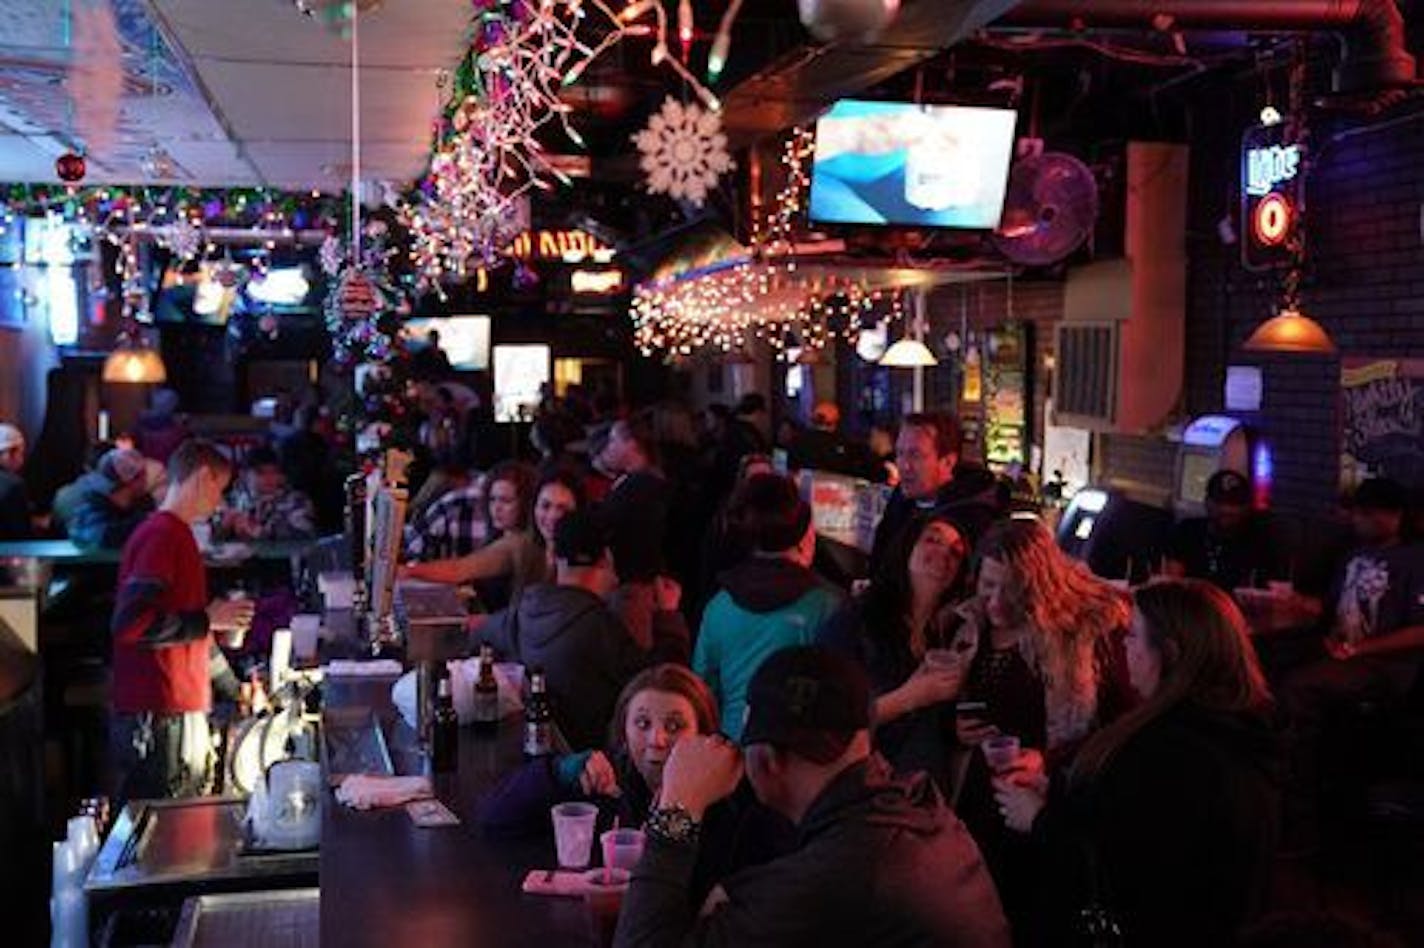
(902, 164)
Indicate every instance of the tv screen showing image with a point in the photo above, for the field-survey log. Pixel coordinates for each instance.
(465, 340)
(899, 164)
(520, 373)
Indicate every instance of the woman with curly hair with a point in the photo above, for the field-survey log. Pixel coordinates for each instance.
(1042, 650)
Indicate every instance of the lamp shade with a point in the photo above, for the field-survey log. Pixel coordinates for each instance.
(908, 353)
(1290, 331)
(133, 364)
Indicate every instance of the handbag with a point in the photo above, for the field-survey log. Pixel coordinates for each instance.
(1096, 925)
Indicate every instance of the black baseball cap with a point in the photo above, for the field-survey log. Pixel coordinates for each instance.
(808, 700)
(1229, 487)
(580, 539)
(1380, 493)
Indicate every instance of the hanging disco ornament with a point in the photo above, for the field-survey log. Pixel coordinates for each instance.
(70, 167)
(852, 21)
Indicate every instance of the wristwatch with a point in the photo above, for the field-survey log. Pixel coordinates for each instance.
(672, 824)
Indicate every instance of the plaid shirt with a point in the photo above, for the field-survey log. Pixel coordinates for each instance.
(452, 526)
(287, 515)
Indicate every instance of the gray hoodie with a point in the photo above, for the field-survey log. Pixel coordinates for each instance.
(585, 652)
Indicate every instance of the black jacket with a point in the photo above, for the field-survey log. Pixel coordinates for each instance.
(973, 493)
(584, 649)
(1182, 824)
(14, 507)
(880, 862)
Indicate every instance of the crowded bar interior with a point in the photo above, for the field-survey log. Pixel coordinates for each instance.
(706, 472)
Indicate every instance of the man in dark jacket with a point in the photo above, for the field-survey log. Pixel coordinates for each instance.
(880, 861)
(104, 507)
(932, 478)
(568, 630)
(635, 514)
(823, 448)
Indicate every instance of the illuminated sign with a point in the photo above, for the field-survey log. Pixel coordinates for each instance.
(597, 282)
(570, 246)
(1272, 196)
(1270, 166)
(1271, 222)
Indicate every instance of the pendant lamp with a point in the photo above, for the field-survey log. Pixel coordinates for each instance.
(133, 362)
(909, 351)
(1291, 331)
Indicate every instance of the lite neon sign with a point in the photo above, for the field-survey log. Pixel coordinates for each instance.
(1270, 166)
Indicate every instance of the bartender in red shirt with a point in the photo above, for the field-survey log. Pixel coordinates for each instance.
(166, 663)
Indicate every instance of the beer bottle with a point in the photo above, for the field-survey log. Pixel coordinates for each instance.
(486, 694)
(444, 731)
(538, 718)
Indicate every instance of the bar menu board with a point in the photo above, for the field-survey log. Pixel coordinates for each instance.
(1382, 415)
(1006, 395)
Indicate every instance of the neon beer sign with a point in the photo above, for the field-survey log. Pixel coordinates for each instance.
(1270, 166)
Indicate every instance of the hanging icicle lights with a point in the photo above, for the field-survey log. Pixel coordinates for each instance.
(487, 156)
(761, 297)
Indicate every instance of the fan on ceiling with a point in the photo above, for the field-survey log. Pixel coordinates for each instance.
(1050, 209)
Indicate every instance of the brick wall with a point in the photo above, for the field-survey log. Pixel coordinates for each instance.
(1364, 284)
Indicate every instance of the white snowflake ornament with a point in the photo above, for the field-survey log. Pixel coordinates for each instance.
(684, 152)
(184, 239)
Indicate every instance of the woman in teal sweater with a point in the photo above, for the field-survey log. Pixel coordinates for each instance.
(770, 601)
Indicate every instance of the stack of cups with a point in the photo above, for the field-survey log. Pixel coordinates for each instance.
(69, 916)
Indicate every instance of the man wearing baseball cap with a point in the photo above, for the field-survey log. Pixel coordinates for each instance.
(568, 629)
(1231, 546)
(879, 860)
(15, 521)
(112, 501)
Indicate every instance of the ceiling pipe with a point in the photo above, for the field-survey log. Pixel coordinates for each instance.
(1375, 55)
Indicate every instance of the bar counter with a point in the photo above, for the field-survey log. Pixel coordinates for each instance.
(386, 881)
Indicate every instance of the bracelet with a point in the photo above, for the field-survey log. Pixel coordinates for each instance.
(672, 824)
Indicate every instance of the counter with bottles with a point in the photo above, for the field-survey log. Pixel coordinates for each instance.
(387, 881)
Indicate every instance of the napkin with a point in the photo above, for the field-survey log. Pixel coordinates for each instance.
(366, 791)
(344, 668)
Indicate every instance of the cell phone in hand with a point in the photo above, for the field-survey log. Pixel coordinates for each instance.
(971, 708)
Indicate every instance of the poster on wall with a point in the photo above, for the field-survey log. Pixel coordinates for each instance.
(1006, 396)
(1382, 420)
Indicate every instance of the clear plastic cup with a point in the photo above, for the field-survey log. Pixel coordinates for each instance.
(941, 657)
(573, 833)
(622, 848)
(306, 631)
(1001, 752)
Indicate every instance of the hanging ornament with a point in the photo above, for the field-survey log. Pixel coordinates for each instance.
(852, 21)
(684, 152)
(357, 296)
(70, 167)
(331, 256)
(184, 239)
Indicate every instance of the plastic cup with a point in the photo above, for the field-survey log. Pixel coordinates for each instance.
(622, 848)
(337, 589)
(306, 631)
(573, 833)
(941, 657)
(1281, 588)
(603, 892)
(1001, 752)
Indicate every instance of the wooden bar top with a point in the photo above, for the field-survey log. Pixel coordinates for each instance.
(386, 881)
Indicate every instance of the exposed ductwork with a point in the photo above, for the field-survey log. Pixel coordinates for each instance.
(1375, 56)
(802, 82)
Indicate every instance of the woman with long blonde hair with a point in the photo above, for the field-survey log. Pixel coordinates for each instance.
(1042, 660)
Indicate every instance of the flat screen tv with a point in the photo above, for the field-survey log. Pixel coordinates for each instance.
(465, 340)
(900, 164)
